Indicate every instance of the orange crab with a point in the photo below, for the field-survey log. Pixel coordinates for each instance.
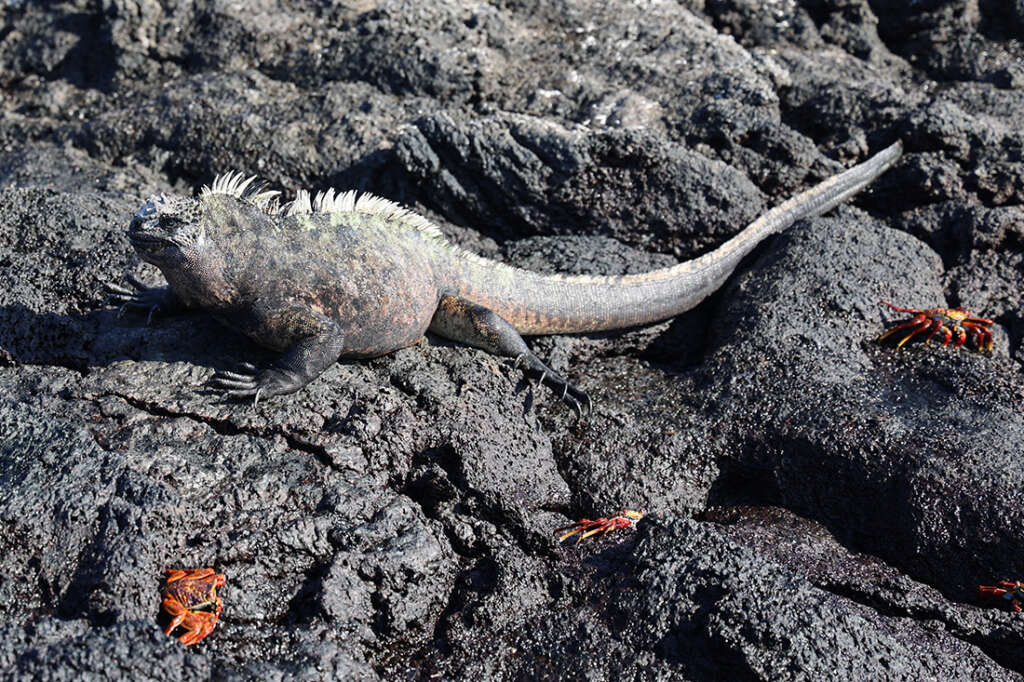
(946, 320)
(587, 527)
(1010, 591)
(190, 597)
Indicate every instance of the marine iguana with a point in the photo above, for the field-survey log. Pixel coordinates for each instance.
(347, 275)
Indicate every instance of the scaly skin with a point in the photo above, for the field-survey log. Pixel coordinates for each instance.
(344, 277)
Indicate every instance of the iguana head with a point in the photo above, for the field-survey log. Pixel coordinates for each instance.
(175, 231)
(168, 231)
(202, 244)
(183, 237)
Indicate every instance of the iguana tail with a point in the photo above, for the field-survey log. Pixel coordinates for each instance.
(551, 304)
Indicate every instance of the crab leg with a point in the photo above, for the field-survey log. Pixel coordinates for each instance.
(583, 536)
(974, 334)
(922, 328)
(936, 327)
(201, 626)
(175, 574)
(947, 333)
(177, 613)
(918, 323)
(982, 336)
(913, 322)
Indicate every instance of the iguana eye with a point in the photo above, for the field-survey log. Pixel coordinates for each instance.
(143, 217)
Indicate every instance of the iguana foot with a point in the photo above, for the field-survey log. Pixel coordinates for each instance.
(254, 382)
(296, 367)
(571, 395)
(141, 297)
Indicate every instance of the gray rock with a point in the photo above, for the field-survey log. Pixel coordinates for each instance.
(819, 505)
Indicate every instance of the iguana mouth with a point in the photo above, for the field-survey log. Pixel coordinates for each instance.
(147, 242)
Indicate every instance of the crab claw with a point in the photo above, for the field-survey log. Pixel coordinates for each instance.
(588, 527)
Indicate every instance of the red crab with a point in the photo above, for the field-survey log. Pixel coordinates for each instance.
(946, 320)
(586, 527)
(1011, 591)
(190, 597)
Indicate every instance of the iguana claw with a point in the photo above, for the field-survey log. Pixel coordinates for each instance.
(255, 383)
(139, 297)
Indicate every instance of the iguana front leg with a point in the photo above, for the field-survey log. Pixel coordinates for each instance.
(141, 297)
(472, 324)
(300, 364)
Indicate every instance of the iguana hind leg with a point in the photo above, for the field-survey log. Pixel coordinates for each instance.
(473, 324)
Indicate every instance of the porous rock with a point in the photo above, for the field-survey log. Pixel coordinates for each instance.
(819, 505)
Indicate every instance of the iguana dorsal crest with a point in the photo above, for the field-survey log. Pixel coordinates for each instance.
(235, 184)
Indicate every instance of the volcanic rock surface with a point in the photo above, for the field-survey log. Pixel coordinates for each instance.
(819, 505)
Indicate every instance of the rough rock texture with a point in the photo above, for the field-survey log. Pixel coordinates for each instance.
(820, 506)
